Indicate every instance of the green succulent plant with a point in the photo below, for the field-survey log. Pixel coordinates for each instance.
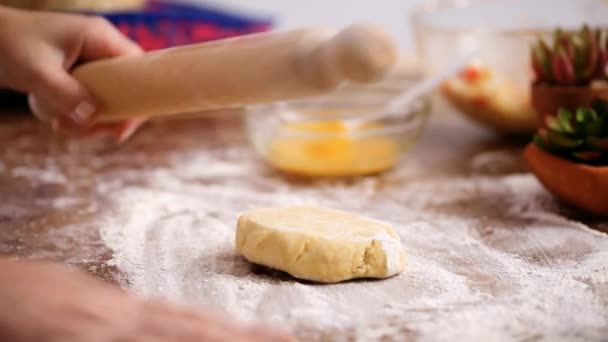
(573, 58)
(581, 136)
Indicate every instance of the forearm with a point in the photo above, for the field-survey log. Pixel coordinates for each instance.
(8, 33)
(16, 277)
(6, 16)
(4, 11)
(39, 298)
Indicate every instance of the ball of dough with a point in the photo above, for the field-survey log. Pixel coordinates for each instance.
(319, 244)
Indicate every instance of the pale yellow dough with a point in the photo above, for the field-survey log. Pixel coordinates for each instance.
(319, 244)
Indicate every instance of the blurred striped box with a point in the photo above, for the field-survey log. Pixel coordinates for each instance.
(157, 24)
(162, 24)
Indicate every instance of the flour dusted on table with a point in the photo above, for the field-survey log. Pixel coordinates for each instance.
(490, 256)
(488, 260)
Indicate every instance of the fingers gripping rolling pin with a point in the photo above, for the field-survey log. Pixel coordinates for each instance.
(240, 71)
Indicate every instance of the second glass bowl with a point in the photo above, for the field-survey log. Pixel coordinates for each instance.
(347, 133)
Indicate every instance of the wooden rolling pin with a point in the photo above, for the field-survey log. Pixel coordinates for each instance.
(258, 68)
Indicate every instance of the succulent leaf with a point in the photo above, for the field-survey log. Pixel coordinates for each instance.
(593, 52)
(553, 124)
(565, 117)
(586, 122)
(574, 57)
(602, 39)
(563, 141)
(558, 35)
(600, 107)
(581, 135)
(541, 60)
(596, 127)
(585, 115)
(587, 156)
(541, 142)
(580, 57)
(563, 68)
(598, 143)
(601, 71)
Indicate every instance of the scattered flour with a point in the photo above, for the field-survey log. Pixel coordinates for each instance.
(489, 260)
(490, 256)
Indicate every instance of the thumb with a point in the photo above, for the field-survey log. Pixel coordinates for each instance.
(57, 96)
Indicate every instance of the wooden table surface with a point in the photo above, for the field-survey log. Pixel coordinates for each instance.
(50, 192)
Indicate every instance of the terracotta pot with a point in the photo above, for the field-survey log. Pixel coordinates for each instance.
(547, 99)
(582, 186)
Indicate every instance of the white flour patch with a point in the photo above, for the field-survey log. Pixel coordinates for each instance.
(42, 175)
(491, 258)
(488, 257)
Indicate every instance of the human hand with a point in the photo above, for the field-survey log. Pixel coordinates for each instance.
(37, 51)
(46, 303)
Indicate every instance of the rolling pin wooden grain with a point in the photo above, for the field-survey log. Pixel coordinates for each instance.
(240, 71)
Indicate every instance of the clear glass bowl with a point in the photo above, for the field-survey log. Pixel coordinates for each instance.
(347, 133)
(495, 88)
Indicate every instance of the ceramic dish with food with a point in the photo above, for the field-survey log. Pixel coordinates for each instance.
(495, 89)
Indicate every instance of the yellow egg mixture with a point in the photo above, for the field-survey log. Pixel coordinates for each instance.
(330, 148)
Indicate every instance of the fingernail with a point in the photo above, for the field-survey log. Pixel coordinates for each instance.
(35, 108)
(126, 133)
(83, 113)
(127, 130)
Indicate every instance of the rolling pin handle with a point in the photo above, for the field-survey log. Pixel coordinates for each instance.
(263, 68)
(360, 53)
